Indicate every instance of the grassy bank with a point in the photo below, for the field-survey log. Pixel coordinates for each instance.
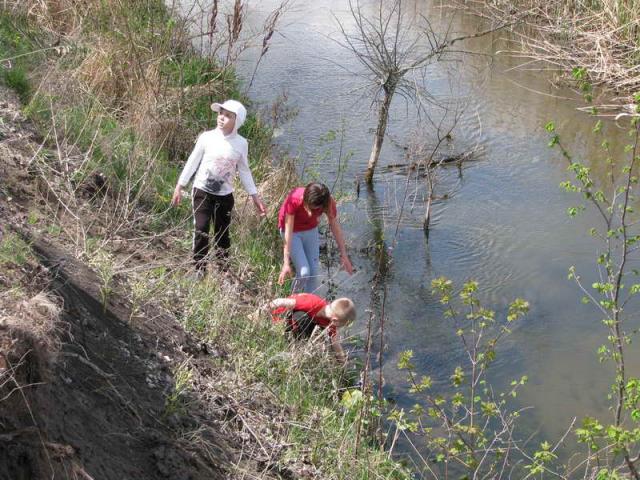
(599, 38)
(119, 96)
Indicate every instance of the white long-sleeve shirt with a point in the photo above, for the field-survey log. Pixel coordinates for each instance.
(214, 161)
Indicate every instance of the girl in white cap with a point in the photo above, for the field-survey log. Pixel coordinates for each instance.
(215, 158)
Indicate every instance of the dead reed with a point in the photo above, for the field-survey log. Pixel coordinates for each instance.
(599, 37)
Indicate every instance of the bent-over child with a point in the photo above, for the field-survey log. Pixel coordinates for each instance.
(213, 163)
(298, 220)
(305, 311)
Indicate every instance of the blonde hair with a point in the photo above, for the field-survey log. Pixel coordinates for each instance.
(344, 310)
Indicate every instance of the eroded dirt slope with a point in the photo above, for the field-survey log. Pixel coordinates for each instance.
(98, 405)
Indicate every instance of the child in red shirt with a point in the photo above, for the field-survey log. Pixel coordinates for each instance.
(298, 223)
(304, 311)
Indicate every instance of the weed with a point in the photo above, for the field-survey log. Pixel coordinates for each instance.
(176, 400)
(139, 295)
(54, 230)
(16, 78)
(16, 47)
(103, 263)
(14, 250)
(33, 217)
(38, 110)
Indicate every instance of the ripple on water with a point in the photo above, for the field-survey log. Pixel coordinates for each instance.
(484, 251)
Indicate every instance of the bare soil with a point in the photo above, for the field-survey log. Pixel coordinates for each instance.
(100, 405)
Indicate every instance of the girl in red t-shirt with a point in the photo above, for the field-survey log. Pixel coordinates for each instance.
(298, 223)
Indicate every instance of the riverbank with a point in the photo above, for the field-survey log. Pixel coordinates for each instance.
(110, 100)
(596, 40)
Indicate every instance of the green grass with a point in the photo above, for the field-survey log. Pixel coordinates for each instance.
(176, 400)
(259, 134)
(306, 385)
(54, 230)
(14, 251)
(187, 70)
(143, 17)
(38, 110)
(16, 47)
(16, 78)
(257, 246)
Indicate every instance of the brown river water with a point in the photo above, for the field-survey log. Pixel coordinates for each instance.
(503, 224)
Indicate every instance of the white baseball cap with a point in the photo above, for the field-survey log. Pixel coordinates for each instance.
(233, 106)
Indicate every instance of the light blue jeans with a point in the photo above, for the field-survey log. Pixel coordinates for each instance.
(305, 255)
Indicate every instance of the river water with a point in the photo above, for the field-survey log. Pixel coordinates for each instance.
(504, 220)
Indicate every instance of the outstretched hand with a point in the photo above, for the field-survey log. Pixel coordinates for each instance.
(259, 204)
(284, 273)
(346, 264)
(177, 196)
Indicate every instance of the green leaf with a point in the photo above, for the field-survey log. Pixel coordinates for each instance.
(579, 73)
(598, 127)
(458, 376)
(404, 361)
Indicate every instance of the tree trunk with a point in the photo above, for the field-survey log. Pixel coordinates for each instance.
(383, 117)
(427, 217)
(431, 179)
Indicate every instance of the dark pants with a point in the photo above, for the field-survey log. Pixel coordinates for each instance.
(300, 325)
(208, 208)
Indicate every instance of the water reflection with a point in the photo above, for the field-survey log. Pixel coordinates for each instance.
(504, 223)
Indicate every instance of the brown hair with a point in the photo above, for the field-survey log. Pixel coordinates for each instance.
(344, 309)
(317, 195)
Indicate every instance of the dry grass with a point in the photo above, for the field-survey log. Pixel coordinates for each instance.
(111, 102)
(60, 16)
(108, 79)
(599, 36)
(123, 105)
(37, 316)
(29, 334)
(41, 314)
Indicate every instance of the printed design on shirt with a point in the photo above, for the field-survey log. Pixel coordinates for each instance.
(218, 173)
(213, 185)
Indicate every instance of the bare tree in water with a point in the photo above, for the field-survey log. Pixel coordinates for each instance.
(427, 157)
(390, 42)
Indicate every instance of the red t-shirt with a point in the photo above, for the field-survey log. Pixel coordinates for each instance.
(310, 304)
(294, 205)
